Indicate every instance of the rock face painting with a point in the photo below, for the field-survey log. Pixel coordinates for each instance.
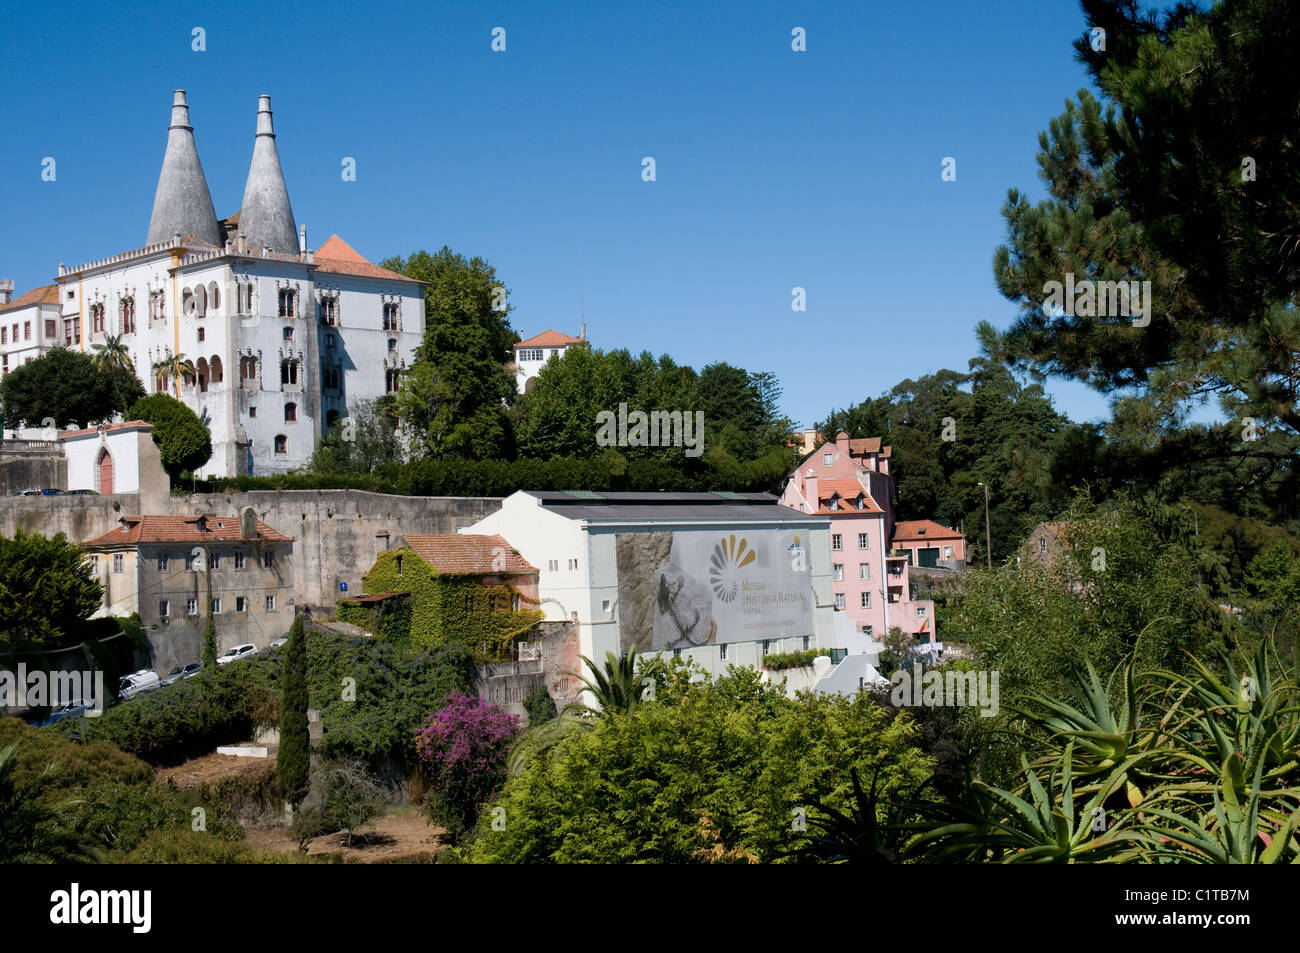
(680, 590)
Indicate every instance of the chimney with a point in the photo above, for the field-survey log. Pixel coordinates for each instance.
(182, 204)
(6, 290)
(810, 490)
(842, 442)
(302, 239)
(266, 218)
(582, 333)
(248, 523)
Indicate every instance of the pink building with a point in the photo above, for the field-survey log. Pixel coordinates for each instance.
(849, 482)
(931, 544)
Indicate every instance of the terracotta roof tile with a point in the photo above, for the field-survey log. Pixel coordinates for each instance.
(865, 445)
(109, 428)
(182, 529)
(338, 257)
(910, 530)
(469, 554)
(549, 338)
(46, 294)
(848, 491)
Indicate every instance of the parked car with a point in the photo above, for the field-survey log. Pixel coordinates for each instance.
(181, 671)
(238, 652)
(282, 640)
(83, 493)
(137, 683)
(76, 708)
(52, 491)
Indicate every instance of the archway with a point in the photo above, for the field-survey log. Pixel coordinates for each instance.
(104, 471)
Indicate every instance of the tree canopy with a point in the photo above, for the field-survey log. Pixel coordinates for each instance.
(70, 387)
(183, 442)
(47, 590)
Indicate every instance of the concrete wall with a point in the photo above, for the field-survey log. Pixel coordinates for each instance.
(31, 469)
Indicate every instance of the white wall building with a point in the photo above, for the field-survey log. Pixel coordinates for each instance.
(530, 355)
(582, 542)
(29, 326)
(282, 340)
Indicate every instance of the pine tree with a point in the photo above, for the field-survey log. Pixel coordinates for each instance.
(293, 763)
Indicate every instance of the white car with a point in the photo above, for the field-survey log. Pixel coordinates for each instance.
(129, 686)
(238, 652)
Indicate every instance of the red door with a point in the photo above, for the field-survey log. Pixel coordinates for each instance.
(105, 472)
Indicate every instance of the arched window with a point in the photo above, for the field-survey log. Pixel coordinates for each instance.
(392, 345)
(104, 472)
(289, 371)
(201, 371)
(215, 373)
(390, 382)
(281, 443)
(248, 368)
(290, 413)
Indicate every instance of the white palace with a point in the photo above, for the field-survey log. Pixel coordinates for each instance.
(279, 340)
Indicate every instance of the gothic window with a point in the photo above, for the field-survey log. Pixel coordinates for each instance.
(286, 303)
(71, 332)
(289, 371)
(390, 317)
(390, 382)
(128, 315)
(329, 311)
(247, 368)
(157, 306)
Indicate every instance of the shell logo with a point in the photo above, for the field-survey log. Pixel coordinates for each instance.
(729, 557)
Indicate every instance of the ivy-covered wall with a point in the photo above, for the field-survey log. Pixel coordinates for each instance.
(446, 609)
(390, 619)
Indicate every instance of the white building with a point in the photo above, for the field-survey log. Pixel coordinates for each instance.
(721, 578)
(29, 326)
(530, 355)
(281, 340)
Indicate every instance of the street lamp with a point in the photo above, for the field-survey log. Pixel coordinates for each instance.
(988, 536)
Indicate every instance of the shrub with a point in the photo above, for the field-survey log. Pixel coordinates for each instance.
(463, 748)
(540, 706)
(778, 661)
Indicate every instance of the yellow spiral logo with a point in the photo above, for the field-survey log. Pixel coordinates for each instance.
(729, 557)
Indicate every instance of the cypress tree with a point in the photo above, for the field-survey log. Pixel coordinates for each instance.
(210, 627)
(293, 762)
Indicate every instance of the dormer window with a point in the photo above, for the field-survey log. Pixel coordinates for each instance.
(834, 503)
(861, 502)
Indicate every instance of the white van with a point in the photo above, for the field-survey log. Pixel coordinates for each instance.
(137, 682)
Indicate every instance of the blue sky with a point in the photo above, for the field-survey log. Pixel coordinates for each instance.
(775, 169)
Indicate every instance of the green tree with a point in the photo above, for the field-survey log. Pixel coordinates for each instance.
(363, 442)
(175, 367)
(183, 441)
(112, 352)
(32, 832)
(706, 771)
(47, 589)
(293, 762)
(1185, 176)
(68, 387)
(452, 398)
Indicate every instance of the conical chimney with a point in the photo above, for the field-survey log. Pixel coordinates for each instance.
(182, 204)
(266, 220)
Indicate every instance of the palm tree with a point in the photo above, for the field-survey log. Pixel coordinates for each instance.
(619, 689)
(113, 353)
(175, 367)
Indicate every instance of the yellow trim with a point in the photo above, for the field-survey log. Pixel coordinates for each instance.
(176, 325)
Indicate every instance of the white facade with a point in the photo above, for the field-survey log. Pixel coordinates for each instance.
(264, 386)
(27, 330)
(578, 574)
(531, 355)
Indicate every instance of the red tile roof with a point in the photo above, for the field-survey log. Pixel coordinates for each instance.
(125, 425)
(910, 531)
(848, 491)
(182, 529)
(865, 445)
(46, 294)
(549, 338)
(338, 257)
(469, 555)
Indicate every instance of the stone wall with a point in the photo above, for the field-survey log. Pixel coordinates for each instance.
(337, 533)
(30, 469)
(556, 650)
